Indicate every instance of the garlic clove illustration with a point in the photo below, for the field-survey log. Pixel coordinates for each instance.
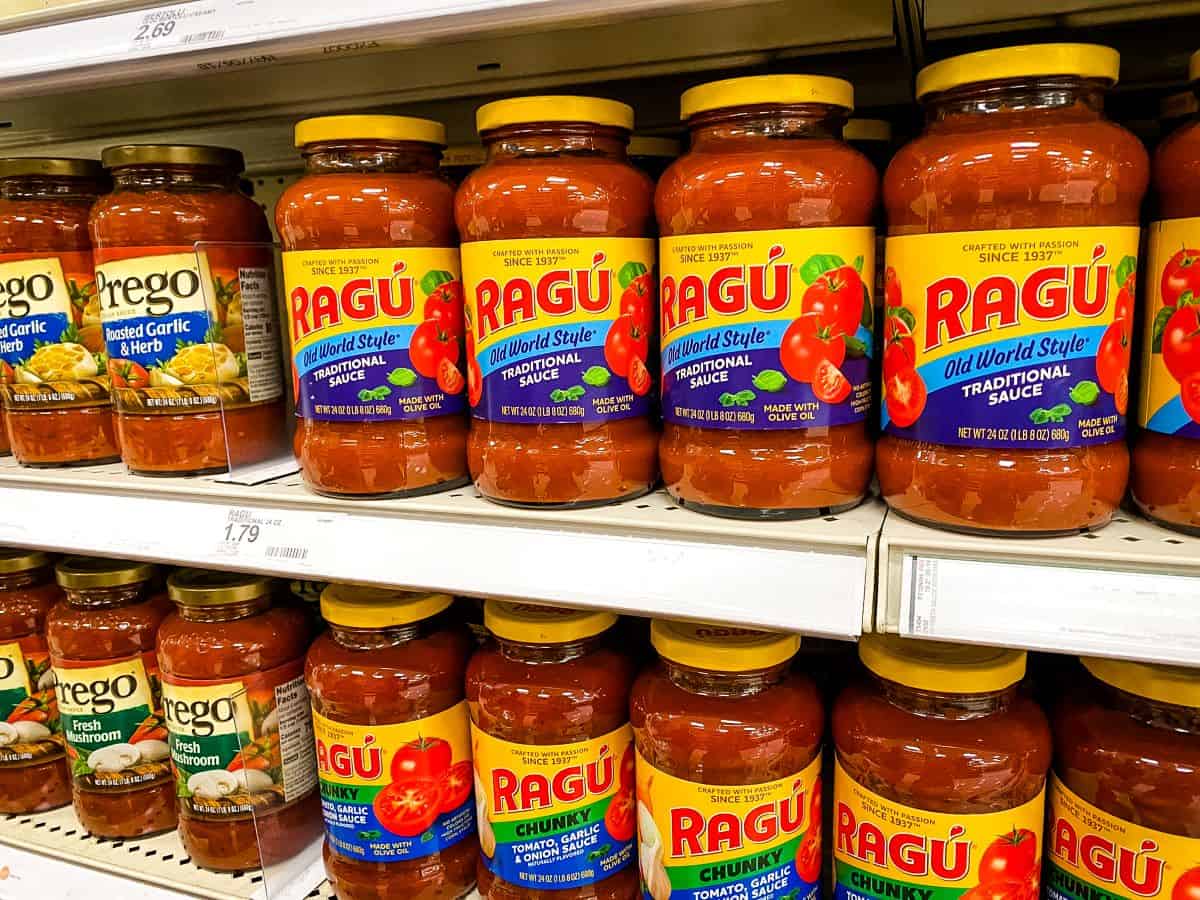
(487, 837)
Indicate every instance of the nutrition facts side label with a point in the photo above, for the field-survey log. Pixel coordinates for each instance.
(263, 366)
(296, 740)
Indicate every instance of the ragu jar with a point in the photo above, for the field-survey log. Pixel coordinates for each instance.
(1011, 267)
(101, 640)
(1165, 480)
(393, 744)
(554, 756)
(653, 154)
(375, 309)
(940, 776)
(558, 265)
(238, 720)
(185, 279)
(460, 160)
(727, 734)
(1124, 803)
(33, 770)
(768, 258)
(54, 403)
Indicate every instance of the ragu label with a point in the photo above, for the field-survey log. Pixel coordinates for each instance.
(1015, 338)
(113, 722)
(1094, 855)
(51, 345)
(699, 841)
(560, 329)
(883, 850)
(189, 329)
(396, 792)
(555, 816)
(767, 329)
(30, 726)
(1170, 389)
(376, 334)
(241, 746)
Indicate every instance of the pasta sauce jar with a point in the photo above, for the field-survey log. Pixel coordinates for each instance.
(767, 256)
(728, 766)
(185, 280)
(375, 309)
(940, 774)
(557, 267)
(101, 640)
(1012, 262)
(1124, 805)
(554, 756)
(54, 402)
(1165, 480)
(33, 771)
(393, 745)
(238, 720)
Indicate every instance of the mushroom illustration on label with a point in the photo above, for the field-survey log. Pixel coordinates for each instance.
(22, 732)
(213, 784)
(152, 750)
(253, 781)
(113, 758)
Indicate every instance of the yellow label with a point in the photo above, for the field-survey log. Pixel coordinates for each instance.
(884, 849)
(14, 676)
(1009, 338)
(1094, 855)
(706, 840)
(555, 815)
(1170, 391)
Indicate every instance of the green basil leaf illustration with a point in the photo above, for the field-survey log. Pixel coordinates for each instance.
(430, 281)
(1160, 325)
(726, 399)
(906, 316)
(1039, 416)
(371, 835)
(558, 395)
(366, 394)
(597, 376)
(1086, 392)
(858, 264)
(575, 391)
(868, 312)
(628, 272)
(854, 347)
(770, 380)
(402, 377)
(745, 395)
(1062, 410)
(1125, 268)
(819, 264)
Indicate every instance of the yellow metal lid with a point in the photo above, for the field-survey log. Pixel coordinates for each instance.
(1167, 684)
(1194, 67)
(867, 130)
(648, 145)
(530, 623)
(519, 110)
(84, 572)
(1027, 61)
(201, 587)
(50, 167)
(367, 128)
(172, 155)
(946, 668)
(767, 90)
(17, 559)
(721, 648)
(360, 606)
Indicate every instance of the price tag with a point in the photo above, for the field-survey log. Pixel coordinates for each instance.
(269, 538)
(186, 25)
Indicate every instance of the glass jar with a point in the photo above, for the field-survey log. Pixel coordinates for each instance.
(940, 776)
(461, 160)
(1012, 260)
(393, 745)
(549, 701)
(33, 772)
(652, 154)
(101, 640)
(1165, 479)
(185, 276)
(1124, 805)
(377, 346)
(726, 733)
(557, 265)
(54, 404)
(230, 664)
(768, 257)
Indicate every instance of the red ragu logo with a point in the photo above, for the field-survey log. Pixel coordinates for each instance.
(947, 858)
(693, 835)
(559, 292)
(538, 790)
(955, 309)
(345, 760)
(1109, 863)
(727, 292)
(359, 300)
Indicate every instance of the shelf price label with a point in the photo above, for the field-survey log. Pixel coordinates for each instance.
(271, 537)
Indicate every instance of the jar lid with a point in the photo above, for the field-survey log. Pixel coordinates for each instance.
(946, 668)
(172, 155)
(366, 128)
(530, 623)
(201, 587)
(721, 648)
(647, 145)
(1027, 61)
(361, 606)
(518, 110)
(83, 572)
(18, 559)
(867, 130)
(767, 90)
(464, 155)
(1178, 685)
(51, 166)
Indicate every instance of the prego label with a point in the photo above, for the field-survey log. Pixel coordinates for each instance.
(30, 726)
(1170, 391)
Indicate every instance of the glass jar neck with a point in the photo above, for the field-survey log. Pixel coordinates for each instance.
(548, 654)
(532, 139)
(353, 638)
(185, 179)
(1154, 713)
(1080, 99)
(724, 129)
(15, 581)
(336, 157)
(50, 188)
(225, 612)
(109, 597)
(944, 705)
(724, 684)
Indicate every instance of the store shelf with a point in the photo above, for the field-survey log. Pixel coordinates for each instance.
(1129, 590)
(644, 556)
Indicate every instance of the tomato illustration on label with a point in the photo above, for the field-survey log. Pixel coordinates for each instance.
(444, 300)
(1187, 886)
(126, 373)
(422, 758)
